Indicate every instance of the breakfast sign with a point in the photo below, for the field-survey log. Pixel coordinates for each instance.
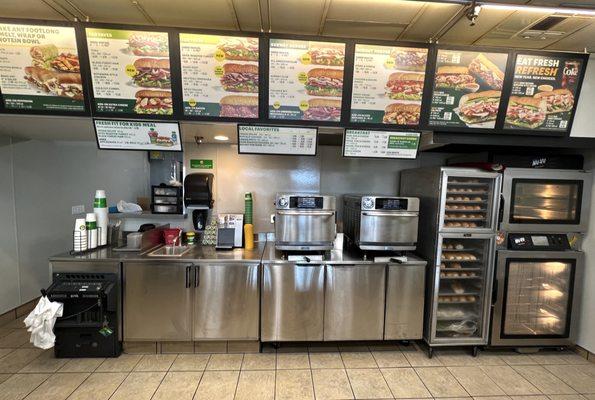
(137, 135)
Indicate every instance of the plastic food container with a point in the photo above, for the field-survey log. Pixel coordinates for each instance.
(172, 236)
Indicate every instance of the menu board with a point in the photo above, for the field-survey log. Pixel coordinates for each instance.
(219, 75)
(137, 135)
(380, 144)
(467, 89)
(130, 71)
(543, 92)
(388, 84)
(39, 68)
(288, 140)
(305, 80)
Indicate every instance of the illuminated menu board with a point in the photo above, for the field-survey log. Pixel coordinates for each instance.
(287, 140)
(137, 135)
(380, 144)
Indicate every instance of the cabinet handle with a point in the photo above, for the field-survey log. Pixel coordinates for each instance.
(187, 276)
(196, 276)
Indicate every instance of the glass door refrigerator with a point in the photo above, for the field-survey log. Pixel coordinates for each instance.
(458, 220)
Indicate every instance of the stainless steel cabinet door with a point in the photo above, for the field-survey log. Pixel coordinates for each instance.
(157, 301)
(292, 302)
(226, 301)
(405, 302)
(354, 302)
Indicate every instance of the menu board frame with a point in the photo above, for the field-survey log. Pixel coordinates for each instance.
(381, 130)
(507, 92)
(84, 71)
(174, 70)
(137, 120)
(279, 126)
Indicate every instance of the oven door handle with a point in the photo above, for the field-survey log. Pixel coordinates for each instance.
(385, 214)
(495, 292)
(328, 213)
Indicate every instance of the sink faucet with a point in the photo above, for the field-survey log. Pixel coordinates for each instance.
(178, 239)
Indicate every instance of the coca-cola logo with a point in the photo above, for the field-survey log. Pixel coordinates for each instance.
(570, 69)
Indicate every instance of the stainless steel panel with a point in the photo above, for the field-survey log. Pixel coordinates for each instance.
(157, 301)
(404, 318)
(292, 302)
(305, 228)
(226, 301)
(389, 228)
(354, 302)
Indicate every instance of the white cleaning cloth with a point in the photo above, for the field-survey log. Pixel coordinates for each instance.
(40, 322)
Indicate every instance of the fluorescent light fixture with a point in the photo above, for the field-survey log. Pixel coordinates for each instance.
(222, 138)
(550, 10)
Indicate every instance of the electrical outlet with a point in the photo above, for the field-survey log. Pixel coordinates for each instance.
(78, 209)
(272, 218)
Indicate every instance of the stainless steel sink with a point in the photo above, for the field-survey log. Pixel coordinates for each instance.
(170, 251)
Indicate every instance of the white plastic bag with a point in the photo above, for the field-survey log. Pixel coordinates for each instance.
(40, 322)
(124, 207)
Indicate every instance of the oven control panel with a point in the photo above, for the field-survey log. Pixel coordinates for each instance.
(538, 241)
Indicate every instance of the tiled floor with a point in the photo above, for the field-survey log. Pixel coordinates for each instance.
(316, 372)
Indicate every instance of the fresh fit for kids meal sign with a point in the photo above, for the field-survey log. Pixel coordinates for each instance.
(137, 135)
(39, 68)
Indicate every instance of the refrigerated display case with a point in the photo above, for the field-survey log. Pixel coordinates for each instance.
(458, 220)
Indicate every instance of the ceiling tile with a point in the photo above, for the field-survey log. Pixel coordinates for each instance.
(464, 34)
(248, 14)
(296, 16)
(384, 11)
(434, 16)
(116, 11)
(363, 31)
(35, 9)
(578, 41)
(200, 14)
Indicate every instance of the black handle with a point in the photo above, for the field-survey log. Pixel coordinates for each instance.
(501, 211)
(495, 292)
(307, 258)
(196, 276)
(188, 276)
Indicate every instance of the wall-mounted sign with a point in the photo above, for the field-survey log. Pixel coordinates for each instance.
(543, 92)
(130, 71)
(305, 80)
(467, 89)
(39, 68)
(201, 164)
(380, 144)
(219, 75)
(388, 84)
(287, 140)
(137, 135)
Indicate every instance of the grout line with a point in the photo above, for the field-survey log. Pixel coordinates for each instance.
(79, 385)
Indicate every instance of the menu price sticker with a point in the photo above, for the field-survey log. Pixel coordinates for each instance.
(543, 92)
(388, 84)
(130, 71)
(39, 68)
(305, 80)
(288, 140)
(219, 75)
(137, 135)
(360, 143)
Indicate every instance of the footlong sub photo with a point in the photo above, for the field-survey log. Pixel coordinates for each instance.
(235, 106)
(323, 110)
(240, 78)
(152, 73)
(325, 82)
(486, 72)
(557, 100)
(402, 114)
(405, 86)
(526, 112)
(479, 107)
(156, 102)
(63, 84)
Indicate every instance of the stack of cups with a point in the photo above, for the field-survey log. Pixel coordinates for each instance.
(248, 207)
(100, 209)
(80, 235)
(248, 227)
(91, 225)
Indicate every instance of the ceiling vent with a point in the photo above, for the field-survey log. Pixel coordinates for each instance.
(547, 23)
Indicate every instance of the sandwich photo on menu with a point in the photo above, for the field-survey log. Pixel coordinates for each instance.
(402, 114)
(152, 73)
(455, 78)
(235, 106)
(332, 54)
(156, 102)
(410, 59)
(148, 44)
(240, 78)
(240, 49)
(557, 100)
(526, 112)
(405, 86)
(64, 84)
(486, 72)
(324, 82)
(48, 56)
(323, 110)
(475, 108)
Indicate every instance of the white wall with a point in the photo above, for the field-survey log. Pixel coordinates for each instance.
(582, 126)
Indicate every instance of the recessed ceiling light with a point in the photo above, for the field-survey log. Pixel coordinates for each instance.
(530, 8)
(222, 138)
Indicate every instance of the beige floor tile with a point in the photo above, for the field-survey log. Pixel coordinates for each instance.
(368, 384)
(573, 358)
(588, 369)
(210, 347)
(326, 360)
(4, 332)
(353, 347)
(17, 359)
(359, 360)
(295, 384)
(404, 383)
(419, 358)
(217, 385)
(512, 358)
(475, 381)
(20, 385)
(548, 358)
(124, 363)
(491, 398)
(543, 380)
(177, 347)
(45, 363)
(293, 361)
(293, 348)
(15, 339)
(15, 324)
(254, 385)
(440, 382)
(536, 397)
(190, 362)
(82, 365)
(99, 386)
(58, 387)
(138, 386)
(390, 359)
(463, 358)
(566, 397)
(574, 376)
(331, 384)
(323, 348)
(4, 377)
(4, 352)
(384, 347)
(225, 362)
(155, 362)
(259, 361)
(243, 346)
(140, 347)
(589, 396)
(178, 386)
(512, 383)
